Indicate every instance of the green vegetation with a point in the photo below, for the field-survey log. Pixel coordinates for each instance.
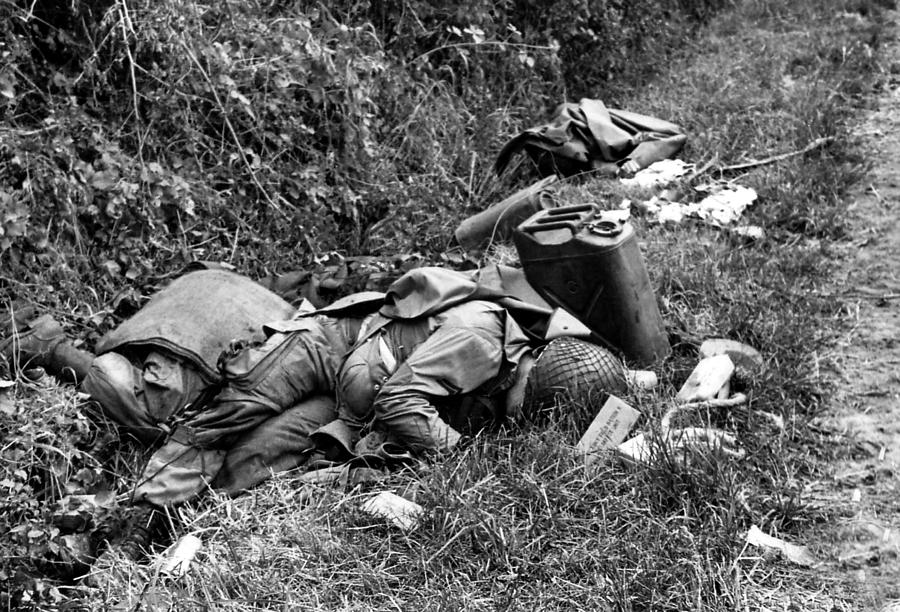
(140, 136)
(137, 137)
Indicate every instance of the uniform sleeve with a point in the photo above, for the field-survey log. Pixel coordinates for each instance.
(454, 360)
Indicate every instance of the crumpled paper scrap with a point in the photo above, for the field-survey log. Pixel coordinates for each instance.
(398, 510)
(792, 552)
(658, 173)
(722, 208)
(725, 206)
(179, 556)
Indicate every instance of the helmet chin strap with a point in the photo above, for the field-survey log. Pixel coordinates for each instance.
(515, 396)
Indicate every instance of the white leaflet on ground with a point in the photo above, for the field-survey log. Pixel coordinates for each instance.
(792, 552)
(721, 208)
(658, 173)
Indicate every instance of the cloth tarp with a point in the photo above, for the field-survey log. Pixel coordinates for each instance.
(590, 136)
(197, 315)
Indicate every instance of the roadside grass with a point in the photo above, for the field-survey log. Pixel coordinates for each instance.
(511, 522)
(515, 520)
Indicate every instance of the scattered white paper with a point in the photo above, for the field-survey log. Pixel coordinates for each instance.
(792, 552)
(725, 206)
(672, 213)
(658, 173)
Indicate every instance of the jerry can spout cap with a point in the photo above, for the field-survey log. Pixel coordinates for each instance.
(606, 225)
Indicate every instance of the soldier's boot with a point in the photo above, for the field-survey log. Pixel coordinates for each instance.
(43, 343)
(131, 536)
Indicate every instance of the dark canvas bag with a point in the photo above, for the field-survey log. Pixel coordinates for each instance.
(197, 316)
(589, 136)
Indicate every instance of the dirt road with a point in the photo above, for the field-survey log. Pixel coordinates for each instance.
(862, 544)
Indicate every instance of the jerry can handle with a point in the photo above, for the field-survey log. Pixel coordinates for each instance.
(550, 225)
(574, 209)
(563, 217)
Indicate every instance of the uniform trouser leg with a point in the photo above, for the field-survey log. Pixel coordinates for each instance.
(279, 444)
(180, 470)
(261, 384)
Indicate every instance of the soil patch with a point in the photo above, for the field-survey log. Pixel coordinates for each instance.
(863, 492)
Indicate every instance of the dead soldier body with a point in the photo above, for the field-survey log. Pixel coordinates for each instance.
(432, 355)
(431, 361)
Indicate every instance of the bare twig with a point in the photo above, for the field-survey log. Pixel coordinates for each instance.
(484, 43)
(859, 295)
(237, 142)
(815, 144)
(863, 296)
(27, 133)
(234, 243)
(704, 168)
(128, 28)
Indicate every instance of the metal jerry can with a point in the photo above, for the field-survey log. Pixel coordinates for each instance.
(590, 264)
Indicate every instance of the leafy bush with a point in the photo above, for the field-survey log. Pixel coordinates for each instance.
(139, 136)
(56, 488)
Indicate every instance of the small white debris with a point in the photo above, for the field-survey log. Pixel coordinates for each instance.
(659, 173)
(710, 375)
(750, 232)
(398, 510)
(748, 362)
(792, 552)
(641, 380)
(725, 206)
(635, 451)
(178, 557)
(673, 214)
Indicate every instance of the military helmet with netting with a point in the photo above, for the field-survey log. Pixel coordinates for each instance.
(574, 374)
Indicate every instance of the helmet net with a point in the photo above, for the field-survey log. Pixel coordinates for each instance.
(571, 376)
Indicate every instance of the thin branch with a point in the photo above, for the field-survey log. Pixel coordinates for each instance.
(232, 131)
(815, 144)
(27, 133)
(484, 43)
(128, 27)
(864, 296)
(704, 168)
